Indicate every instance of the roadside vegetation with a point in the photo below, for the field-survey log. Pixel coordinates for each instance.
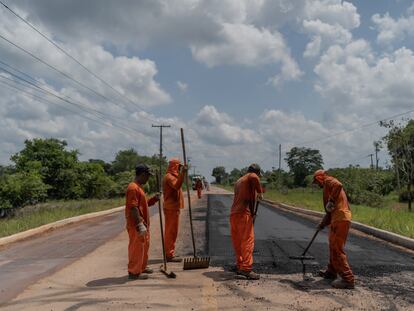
(379, 197)
(47, 182)
(40, 214)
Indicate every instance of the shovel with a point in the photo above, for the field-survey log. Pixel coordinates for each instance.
(194, 262)
(163, 269)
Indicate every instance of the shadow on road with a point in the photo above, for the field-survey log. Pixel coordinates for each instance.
(219, 276)
(108, 281)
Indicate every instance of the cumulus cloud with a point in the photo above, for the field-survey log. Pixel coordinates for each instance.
(219, 128)
(218, 33)
(393, 31)
(328, 22)
(356, 81)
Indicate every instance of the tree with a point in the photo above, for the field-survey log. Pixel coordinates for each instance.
(106, 166)
(54, 163)
(219, 173)
(126, 160)
(302, 162)
(234, 175)
(400, 144)
(21, 189)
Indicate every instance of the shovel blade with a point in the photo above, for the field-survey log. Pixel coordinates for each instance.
(196, 263)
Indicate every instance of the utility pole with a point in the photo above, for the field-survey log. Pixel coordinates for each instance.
(376, 144)
(280, 157)
(161, 127)
(372, 162)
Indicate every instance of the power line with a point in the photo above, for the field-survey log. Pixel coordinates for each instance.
(344, 132)
(46, 90)
(70, 56)
(94, 112)
(67, 75)
(43, 100)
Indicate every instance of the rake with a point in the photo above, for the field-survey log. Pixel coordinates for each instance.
(194, 262)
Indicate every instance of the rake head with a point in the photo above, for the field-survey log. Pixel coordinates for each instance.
(196, 263)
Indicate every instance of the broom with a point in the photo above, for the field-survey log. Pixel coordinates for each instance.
(194, 262)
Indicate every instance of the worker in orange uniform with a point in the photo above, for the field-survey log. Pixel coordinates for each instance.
(137, 223)
(338, 216)
(173, 203)
(246, 191)
(199, 187)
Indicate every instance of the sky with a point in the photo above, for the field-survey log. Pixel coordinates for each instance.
(240, 76)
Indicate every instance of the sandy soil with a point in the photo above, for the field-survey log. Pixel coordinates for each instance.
(99, 282)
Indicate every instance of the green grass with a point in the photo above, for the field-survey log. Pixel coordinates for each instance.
(34, 216)
(393, 216)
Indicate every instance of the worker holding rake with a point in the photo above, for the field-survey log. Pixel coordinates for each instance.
(246, 191)
(173, 203)
(137, 219)
(338, 217)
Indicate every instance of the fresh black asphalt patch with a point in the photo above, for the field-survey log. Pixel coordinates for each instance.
(377, 265)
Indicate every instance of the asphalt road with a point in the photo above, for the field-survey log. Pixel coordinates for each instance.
(23, 263)
(378, 266)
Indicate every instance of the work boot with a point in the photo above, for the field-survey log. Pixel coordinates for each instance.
(342, 284)
(148, 270)
(250, 275)
(137, 276)
(174, 259)
(233, 268)
(327, 275)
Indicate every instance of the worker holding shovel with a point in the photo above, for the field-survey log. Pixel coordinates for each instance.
(173, 203)
(246, 191)
(137, 219)
(338, 217)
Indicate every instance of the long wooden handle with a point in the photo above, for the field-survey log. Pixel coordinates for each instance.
(161, 224)
(310, 243)
(188, 191)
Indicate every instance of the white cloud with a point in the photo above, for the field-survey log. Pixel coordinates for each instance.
(183, 87)
(393, 31)
(354, 80)
(328, 22)
(247, 45)
(219, 128)
(333, 12)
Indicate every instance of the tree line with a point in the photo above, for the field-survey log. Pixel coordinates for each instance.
(46, 170)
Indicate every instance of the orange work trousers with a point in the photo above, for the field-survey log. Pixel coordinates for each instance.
(172, 221)
(338, 261)
(242, 235)
(137, 251)
(199, 193)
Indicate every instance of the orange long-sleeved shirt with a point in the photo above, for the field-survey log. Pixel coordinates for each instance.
(245, 192)
(136, 197)
(333, 191)
(171, 184)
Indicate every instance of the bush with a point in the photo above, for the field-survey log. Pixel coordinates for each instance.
(92, 181)
(404, 196)
(22, 189)
(365, 186)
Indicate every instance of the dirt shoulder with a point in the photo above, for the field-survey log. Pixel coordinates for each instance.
(98, 281)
